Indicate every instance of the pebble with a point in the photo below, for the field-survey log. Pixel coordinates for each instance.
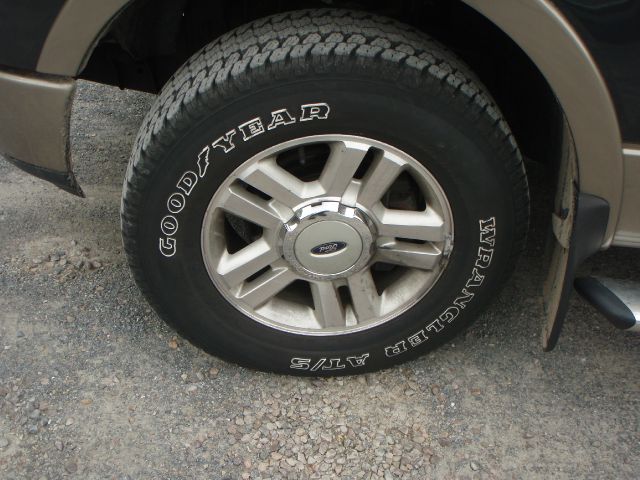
(444, 442)
(4, 443)
(71, 467)
(59, 445)
(474, 466)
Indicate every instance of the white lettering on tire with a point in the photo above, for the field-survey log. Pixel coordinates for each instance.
(167, 246)
(483, 261)
(280, 117)
(328, 364)
(225, 142)
(251, 129)
(313, 111)
(177, 201)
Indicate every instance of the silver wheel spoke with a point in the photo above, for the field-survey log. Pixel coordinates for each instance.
(327, 305)
(423, 257)
(427, 226)
(238, 201)
(364, 296)
(237, 267)
(381, 174)
(265, 287)
(343, 161)
(324, 227)
(268, 177)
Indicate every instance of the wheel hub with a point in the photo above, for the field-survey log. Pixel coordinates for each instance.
(328, 240)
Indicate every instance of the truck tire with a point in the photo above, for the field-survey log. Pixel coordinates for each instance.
(323, 192)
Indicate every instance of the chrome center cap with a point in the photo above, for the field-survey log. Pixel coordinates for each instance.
(327, 240)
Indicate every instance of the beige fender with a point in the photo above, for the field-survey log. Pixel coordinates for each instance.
(535, 25)
(36, 107)
(548, 39)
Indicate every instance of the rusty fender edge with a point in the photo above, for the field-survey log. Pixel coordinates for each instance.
(35, 111)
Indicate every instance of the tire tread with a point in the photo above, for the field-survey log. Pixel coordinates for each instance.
(303, 42)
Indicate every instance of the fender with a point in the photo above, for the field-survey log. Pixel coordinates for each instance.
(531, 24)
(587, 104)
(596, 170)
(75, 33)
(590, 187)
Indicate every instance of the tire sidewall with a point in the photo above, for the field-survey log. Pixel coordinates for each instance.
(465, 161)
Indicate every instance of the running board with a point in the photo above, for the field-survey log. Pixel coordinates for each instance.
(617, 300)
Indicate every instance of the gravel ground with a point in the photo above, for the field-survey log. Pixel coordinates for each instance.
(94, 385)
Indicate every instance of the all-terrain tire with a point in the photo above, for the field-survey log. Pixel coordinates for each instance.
(382, 80)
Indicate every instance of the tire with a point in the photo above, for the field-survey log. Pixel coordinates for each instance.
(304, 85)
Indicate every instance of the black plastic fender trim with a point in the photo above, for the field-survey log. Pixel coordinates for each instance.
(589, 228)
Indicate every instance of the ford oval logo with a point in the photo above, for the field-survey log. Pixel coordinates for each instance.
(329, 247)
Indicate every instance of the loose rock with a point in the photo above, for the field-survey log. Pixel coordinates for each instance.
(71, 467)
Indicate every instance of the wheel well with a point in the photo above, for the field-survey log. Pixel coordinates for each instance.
(150, 39)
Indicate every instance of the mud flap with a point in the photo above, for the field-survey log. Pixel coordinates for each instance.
(579, 223)
(586, 237)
